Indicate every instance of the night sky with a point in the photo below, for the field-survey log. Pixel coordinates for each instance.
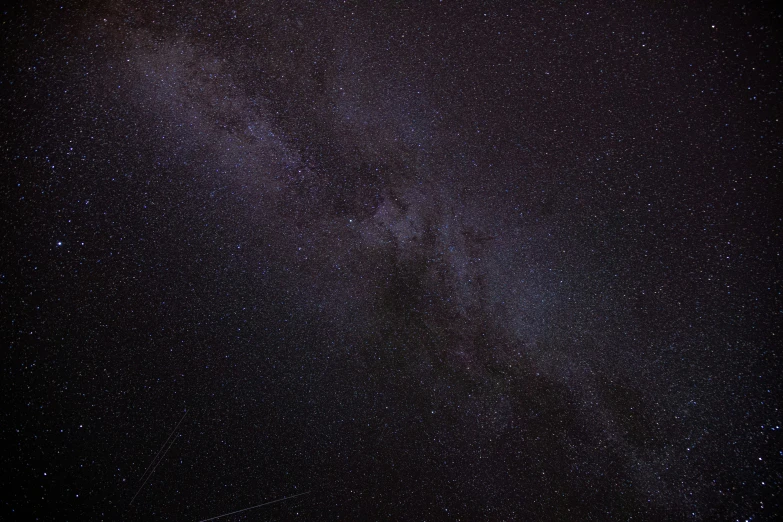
(405, 260)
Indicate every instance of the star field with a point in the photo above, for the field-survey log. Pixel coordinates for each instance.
(391, 261)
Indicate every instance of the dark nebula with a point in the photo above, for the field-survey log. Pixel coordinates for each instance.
(418, 260)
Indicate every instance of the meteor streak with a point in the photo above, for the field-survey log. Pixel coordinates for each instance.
(254, 507)
(148, 475)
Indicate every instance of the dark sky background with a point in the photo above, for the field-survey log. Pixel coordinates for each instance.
(425, 261)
